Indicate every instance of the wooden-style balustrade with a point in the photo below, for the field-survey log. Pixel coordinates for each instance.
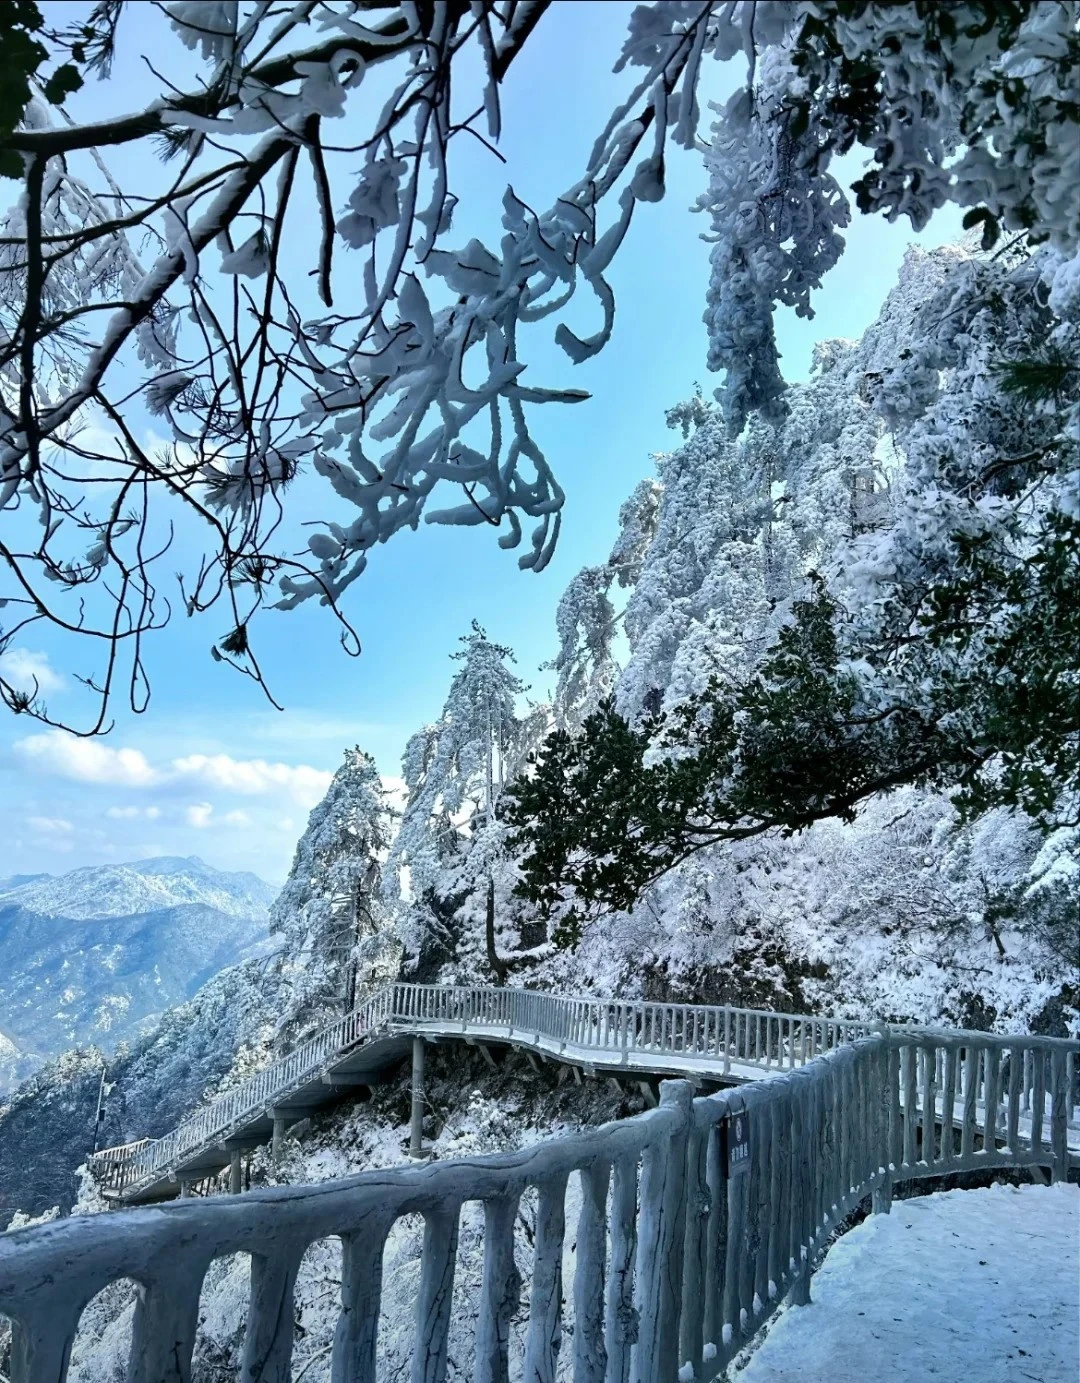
(611, 1035)
(682, 1247)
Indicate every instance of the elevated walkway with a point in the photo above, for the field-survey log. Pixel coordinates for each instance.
(645, 1041)
(686, 1227)
(981, 1284)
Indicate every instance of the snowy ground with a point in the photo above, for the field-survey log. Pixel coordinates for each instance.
(957, 1287)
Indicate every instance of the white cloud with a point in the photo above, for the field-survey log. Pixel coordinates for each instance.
(89, 761)
(84, 760)
(50, 825)
(306, 785)
(202, 814)
(134, 813)
(22, 668)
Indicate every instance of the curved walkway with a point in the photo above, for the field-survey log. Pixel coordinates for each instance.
(948, 1288)
(1024, 1083)
(695, 1222)
(364, 1047)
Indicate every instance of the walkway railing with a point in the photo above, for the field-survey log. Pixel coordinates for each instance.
(109, 1157)
(222, 1116)
(696, 1220)
(644, 1036)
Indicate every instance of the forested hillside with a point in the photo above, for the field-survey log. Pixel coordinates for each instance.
(98, 954)
(807, 737)
(914, 903)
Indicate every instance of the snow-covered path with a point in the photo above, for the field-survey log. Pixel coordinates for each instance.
(960, 1287)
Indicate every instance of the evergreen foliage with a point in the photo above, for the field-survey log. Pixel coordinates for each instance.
(330, 915)
(924, 637)
(451, 839)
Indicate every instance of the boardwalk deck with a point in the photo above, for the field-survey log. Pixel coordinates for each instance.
(695, 1248)
(718, 1045)
(991, 1290)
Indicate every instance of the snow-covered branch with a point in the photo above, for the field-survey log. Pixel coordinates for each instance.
(390, 366)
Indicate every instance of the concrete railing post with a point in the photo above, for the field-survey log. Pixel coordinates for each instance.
(661, 1241)
(416, 1124)
(268, 1340)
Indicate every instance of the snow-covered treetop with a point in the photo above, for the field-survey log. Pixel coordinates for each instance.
(177, 302)
(346, 838)
(459, 765)
(971, 102)
(586, 620)
(330, 913)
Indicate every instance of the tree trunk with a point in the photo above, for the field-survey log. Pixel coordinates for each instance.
(354, 930)
(495, 961)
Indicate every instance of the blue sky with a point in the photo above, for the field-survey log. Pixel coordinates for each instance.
(211, 769)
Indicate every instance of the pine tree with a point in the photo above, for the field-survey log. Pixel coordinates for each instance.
(330, 912)
(451, 839)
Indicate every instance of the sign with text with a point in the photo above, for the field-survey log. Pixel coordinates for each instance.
(736, 1139)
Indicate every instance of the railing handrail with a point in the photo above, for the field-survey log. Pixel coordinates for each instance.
(679, 1257)
(563, 1018)
(120, 1151)
(216, 1119)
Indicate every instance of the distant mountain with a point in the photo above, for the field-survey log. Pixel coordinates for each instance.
(122, 890)
(47, 1124)
(96, 955)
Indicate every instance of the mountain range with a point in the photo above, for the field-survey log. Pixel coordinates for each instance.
(96, 955)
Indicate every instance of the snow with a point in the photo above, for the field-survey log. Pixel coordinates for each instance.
(95, 955)
(959, 1285)
(123, 890)
(329, 913)
(471, 1110)
(903, 912)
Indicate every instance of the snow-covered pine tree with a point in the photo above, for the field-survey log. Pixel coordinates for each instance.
(330, 914)
(586, 619)
(451, 839)
(927, 478)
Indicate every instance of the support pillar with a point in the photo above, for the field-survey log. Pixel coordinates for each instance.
(185, 1188)
(234, 1171)
(416, 1125)
(275, 1145)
